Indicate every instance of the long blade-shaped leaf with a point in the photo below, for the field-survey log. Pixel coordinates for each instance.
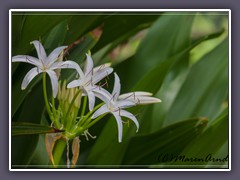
(165, 38)
(208, 143)
(31, 113)
(121, 25)
(35, 26)
(208, 74)
(147, 149)
(21, 128)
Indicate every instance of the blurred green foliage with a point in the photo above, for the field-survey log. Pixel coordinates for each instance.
(182, 58)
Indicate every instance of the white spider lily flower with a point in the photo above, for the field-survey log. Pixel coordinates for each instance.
(115, 106)
(44, 63)
(88, 79)
(140, 97)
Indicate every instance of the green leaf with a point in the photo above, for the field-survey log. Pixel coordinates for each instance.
(17, 24)
(171, 86)
(222, 154)
(35, 26)
(200, 94)
(167, 93)
(56, 36)
(30, 112)
(80, 25)
(148, 149)
(40, 156)
(19, 95)
(23, 128)
(123, 26)
(165, 38)
(208, 143)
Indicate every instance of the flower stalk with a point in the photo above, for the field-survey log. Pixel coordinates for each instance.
(56, 123)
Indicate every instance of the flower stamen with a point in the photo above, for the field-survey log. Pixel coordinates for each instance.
(86, 133)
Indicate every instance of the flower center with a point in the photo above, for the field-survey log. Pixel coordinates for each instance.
(112, 107)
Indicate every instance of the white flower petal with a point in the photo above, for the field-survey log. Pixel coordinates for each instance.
(71, 65)
(54, 81)
(116, 88)
(74, 83)
(29, 76)
(40, 51)
(74, 65)
(133, 94)
(101, 67)
(139, 97)
(120, 126)
(54, 54)
(125, 103)
(102, 94)
(99, 75)
(57, 65)
(102, 110)
(89, 66)
(143, 100)
(91, 100)
(27, 59)
(146, 100)
(63, 65)
(68, 65)
(130, 116)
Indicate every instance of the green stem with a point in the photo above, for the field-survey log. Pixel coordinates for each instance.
(53, 108)
(84, 105)
(58, 151)
(94, 121)
(70, 107)
(46, 101)
(81, 121)
(80, 129)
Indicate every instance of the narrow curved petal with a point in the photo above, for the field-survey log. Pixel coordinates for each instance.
(130, 116)
(67, 65)
(27, 59)
(102, 94)
(63, 64)
(146, 100)
(54, 54)
(134, 94)
(116, 88)
(40, 51)
(74, 65)
(91, 100)
(29, 76)
(140, 97)
(99, 75)
(101, 67)
(119, 125)
(89, 66)
(57, 65)
(74, 83)
(125, 103)
(102, 110)
(54, 81)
